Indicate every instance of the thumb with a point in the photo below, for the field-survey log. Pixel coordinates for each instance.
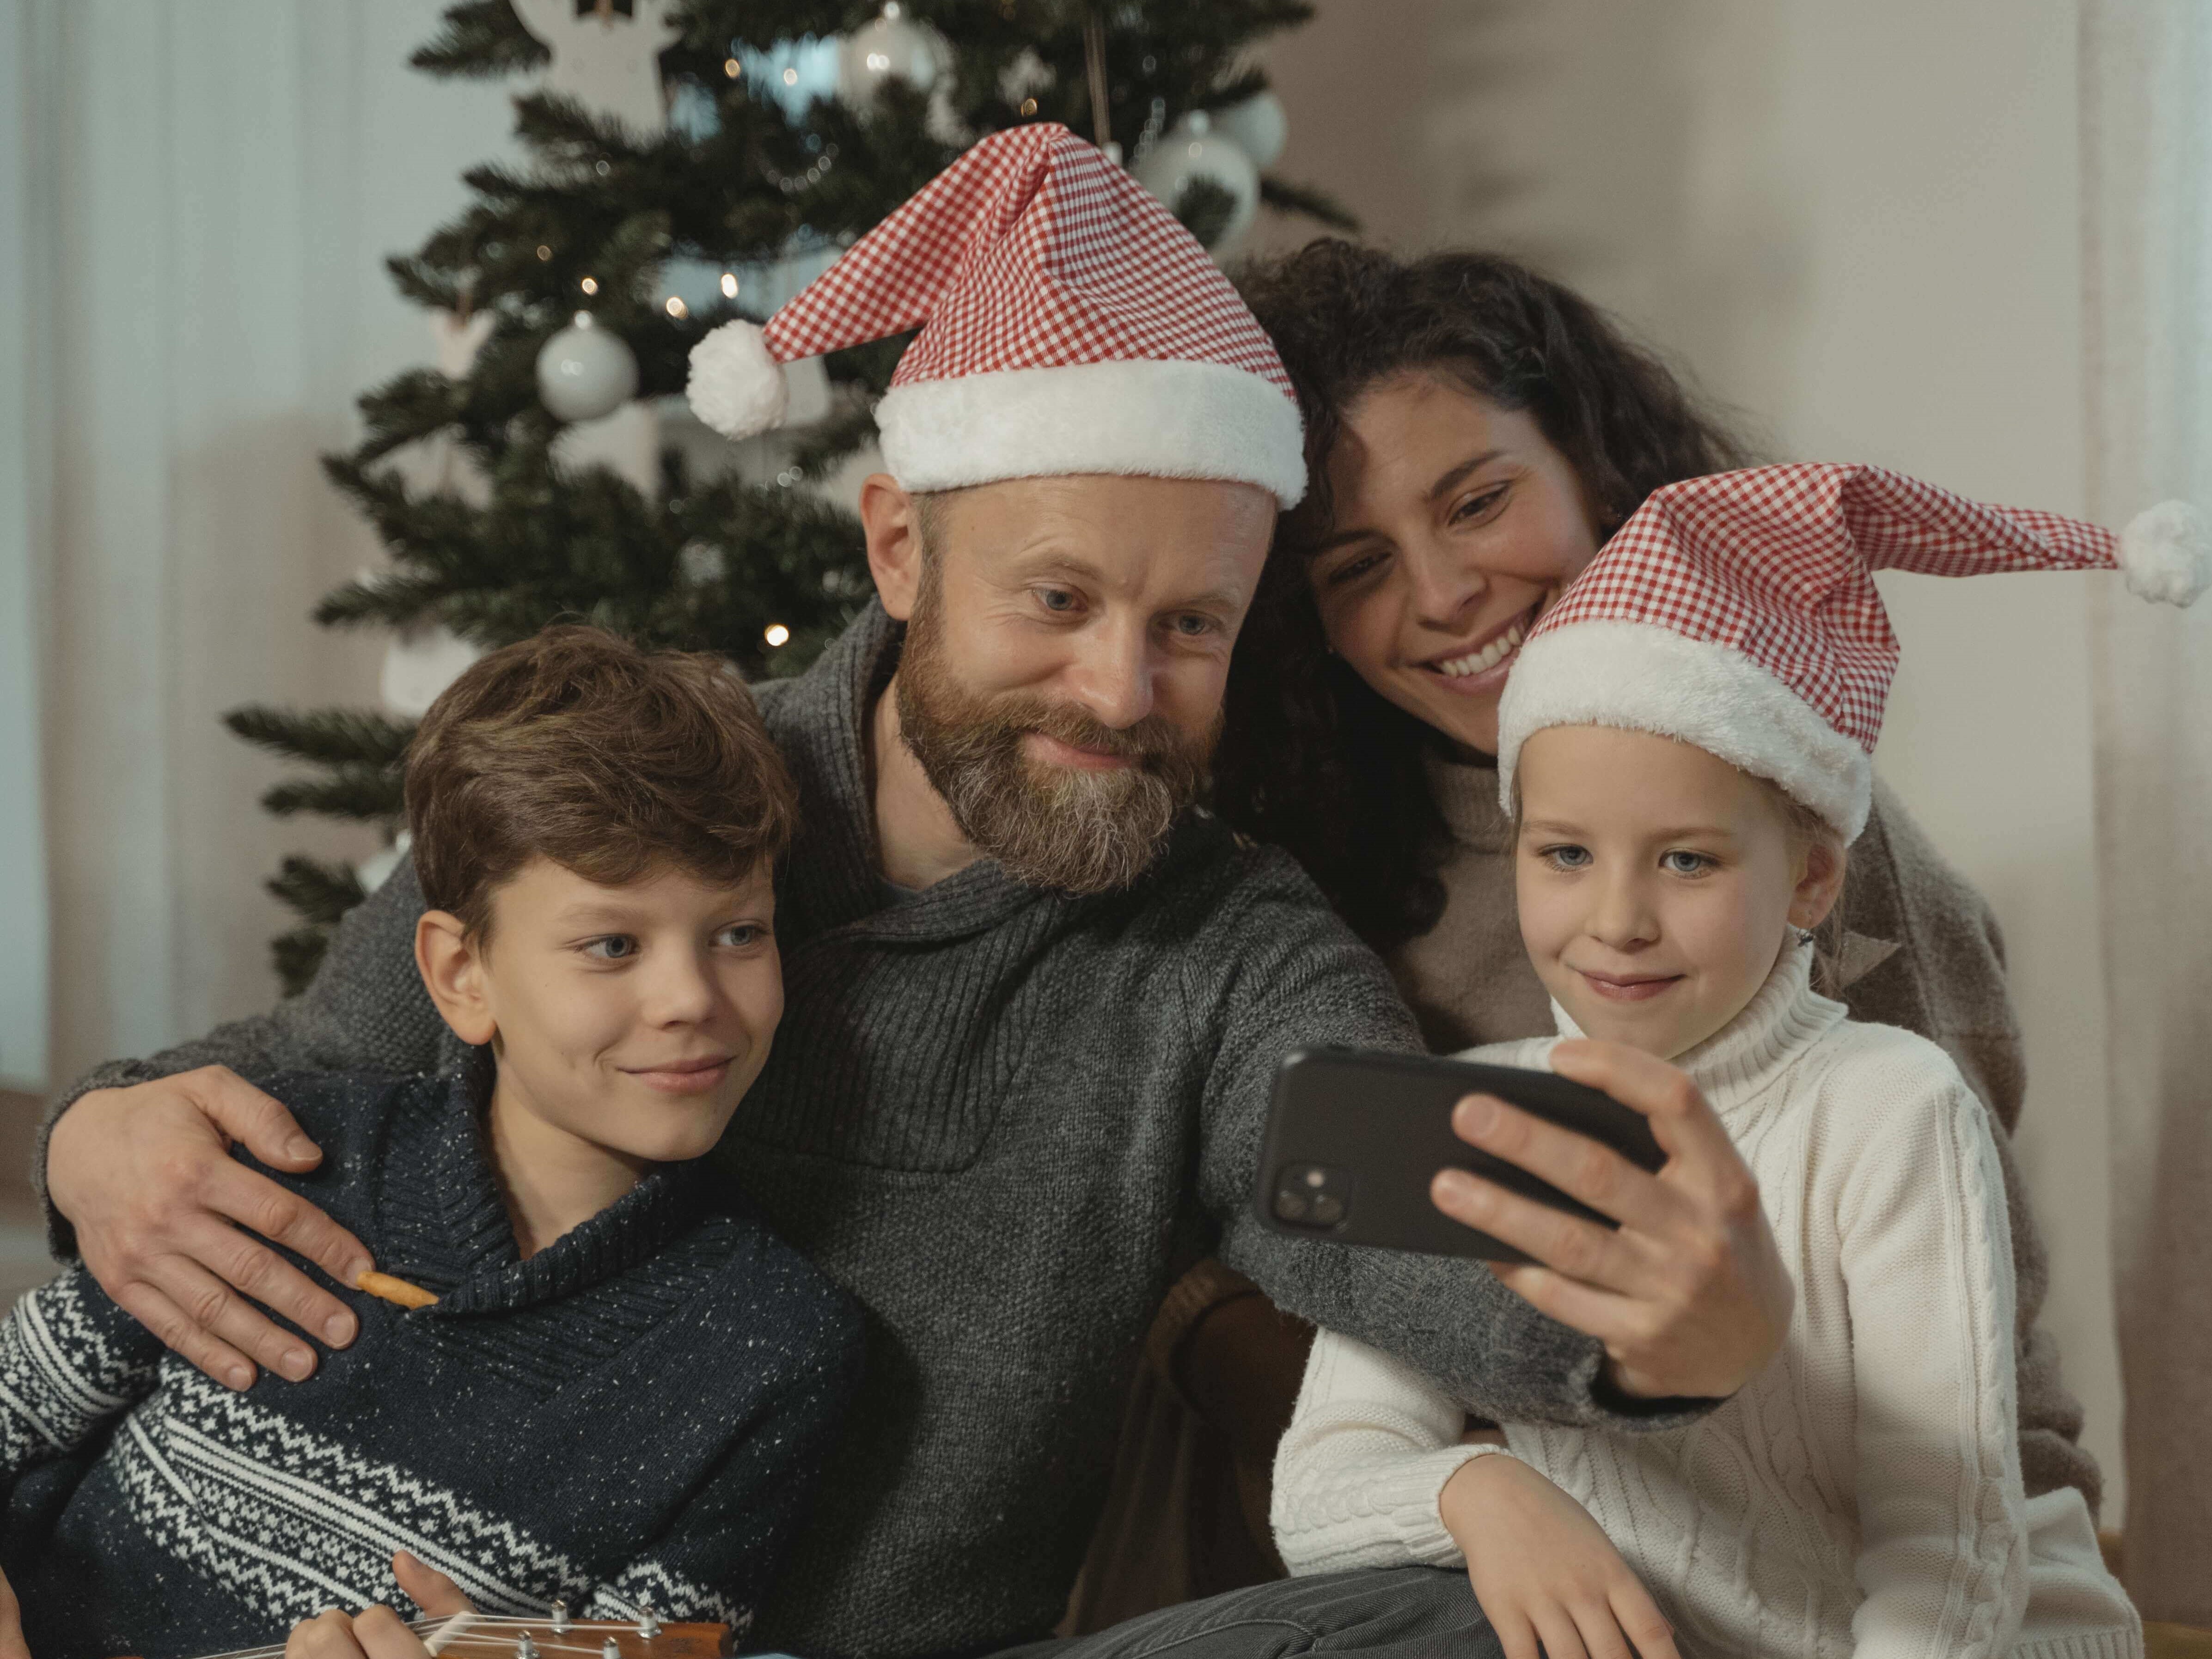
(12, 1644)
(428, 1588)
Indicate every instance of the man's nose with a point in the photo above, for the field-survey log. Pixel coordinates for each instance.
(1112, 675)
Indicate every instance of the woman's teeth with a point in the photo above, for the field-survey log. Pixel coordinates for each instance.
(1489, 657)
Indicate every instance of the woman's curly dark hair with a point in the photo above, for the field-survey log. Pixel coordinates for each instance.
(1312, 758)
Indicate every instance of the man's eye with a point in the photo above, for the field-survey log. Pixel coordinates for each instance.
(1679, 863)
(1058, 600)
(611, 947)
(1566, 857)
(1193, 626)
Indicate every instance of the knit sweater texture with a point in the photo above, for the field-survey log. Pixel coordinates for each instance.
(1919, 949)
(1863, 1494)
(1005, 1119)
(542, 1431)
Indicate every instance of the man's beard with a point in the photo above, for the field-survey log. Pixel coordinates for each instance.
(1064, 827)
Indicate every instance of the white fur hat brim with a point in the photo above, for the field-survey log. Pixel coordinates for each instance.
(1639, 677)
(1148, 417)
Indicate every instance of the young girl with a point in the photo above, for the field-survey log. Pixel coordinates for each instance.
(1685, 747)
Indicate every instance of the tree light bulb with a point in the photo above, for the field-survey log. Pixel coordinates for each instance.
(729, 286)
(776, 634)
(878, 61)
(677, 309)
(791, 77)
(732, 68)
(543, 252)
(590, 285)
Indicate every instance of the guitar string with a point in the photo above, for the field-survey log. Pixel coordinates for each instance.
(476, 1622)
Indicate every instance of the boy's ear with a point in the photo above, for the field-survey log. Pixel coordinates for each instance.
(1820, 883)
(892, 519)
(452, 968)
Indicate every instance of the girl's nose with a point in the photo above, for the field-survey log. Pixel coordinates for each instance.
(1621, 917)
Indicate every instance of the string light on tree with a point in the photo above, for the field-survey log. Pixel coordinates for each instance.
(892, 47)
(775, 634)
(585, 371)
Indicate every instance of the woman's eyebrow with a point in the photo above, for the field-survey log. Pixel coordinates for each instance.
(1448, 481)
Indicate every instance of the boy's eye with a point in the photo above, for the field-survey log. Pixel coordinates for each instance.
(1566, 856)
(1681, 863)
(611, 947)
(741, 935)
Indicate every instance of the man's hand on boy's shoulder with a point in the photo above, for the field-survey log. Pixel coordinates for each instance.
(171, 1225)
(378, 1633)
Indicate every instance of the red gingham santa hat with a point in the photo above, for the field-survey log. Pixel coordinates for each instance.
(1739, 613)
(1068, 324)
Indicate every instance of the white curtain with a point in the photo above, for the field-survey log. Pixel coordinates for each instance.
(2146, 131)
(205, 208)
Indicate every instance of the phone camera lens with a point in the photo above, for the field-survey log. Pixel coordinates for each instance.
(1292, 1204)
(1327, 1210)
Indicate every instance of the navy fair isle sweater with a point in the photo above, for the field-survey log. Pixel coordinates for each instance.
(636, 1415)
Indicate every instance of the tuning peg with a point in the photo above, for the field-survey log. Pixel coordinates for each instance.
(524, 1648)
(611, 1649)
(560, 1617)
(648, 1622)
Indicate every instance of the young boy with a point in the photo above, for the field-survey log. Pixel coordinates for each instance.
(625, 1387)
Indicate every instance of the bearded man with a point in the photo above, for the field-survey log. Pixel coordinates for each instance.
(1035, 999)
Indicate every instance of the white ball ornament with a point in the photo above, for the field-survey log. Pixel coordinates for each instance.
(893, 47)
(585, 371)
(1189, 153)
(1258, 126)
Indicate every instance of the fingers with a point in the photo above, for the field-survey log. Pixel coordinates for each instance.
(1576, 1164)
(381, 1633)
(1557, 1631)
(328, 1635)
(1517, 1636)
(1640, 1621)
(1587, 1250)
(260, 1205)
(12, 1644)
(1613, 1319)
(245, 1114)
(212, 1308)
(217, 1360)
(1685, 1126)
(428, 1588)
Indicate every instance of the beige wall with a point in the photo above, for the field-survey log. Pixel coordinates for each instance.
(1858, 226)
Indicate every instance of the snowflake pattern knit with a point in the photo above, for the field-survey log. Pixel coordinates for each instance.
(541, 1432)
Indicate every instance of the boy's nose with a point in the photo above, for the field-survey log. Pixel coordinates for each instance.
(681, 992)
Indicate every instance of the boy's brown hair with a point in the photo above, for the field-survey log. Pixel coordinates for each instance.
(577, 746)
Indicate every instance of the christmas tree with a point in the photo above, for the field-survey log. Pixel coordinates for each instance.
(690, 161)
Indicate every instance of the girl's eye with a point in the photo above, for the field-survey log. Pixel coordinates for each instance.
(1476, 507)
(741, 936)
(612, 947)
(1566, 857)
(1680, 863)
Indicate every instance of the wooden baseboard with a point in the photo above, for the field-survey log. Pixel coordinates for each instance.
(19, 1127)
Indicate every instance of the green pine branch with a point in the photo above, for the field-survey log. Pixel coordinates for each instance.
(322, 892)
(359, 794)
(331, 737)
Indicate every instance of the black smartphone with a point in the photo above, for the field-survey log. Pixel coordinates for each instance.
(1355, 1136)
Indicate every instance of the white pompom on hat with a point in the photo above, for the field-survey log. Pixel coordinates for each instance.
(1739, 613)
(1069, 324)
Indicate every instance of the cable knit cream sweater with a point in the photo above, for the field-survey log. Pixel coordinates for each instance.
(1863, 1494)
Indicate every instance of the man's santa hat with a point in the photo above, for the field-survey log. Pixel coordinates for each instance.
(1739, 613)
(1068, 324)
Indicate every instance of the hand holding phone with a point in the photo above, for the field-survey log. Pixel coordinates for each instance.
(1355, 1136)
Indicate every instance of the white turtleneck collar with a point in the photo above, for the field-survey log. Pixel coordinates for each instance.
(1734, 1066)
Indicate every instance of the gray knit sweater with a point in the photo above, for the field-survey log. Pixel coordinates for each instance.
(1005, 1119)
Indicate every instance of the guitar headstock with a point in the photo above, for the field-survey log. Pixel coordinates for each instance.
(480, 1636)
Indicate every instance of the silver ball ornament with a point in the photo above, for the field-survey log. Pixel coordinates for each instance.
(1258, 126)
(585, 371)
(1190, 153)
(893, 47)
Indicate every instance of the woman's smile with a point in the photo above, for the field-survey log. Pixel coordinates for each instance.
(1480, 668)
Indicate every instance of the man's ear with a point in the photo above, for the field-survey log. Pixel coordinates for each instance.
(452, 966)
(892, 519)
(1820, 883)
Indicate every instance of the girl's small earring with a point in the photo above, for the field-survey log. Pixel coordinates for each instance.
(1804, 935)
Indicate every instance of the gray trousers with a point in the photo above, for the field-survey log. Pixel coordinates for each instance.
(1386, 1613)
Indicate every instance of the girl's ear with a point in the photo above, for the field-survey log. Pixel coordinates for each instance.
(452, 966)
(1820, 883)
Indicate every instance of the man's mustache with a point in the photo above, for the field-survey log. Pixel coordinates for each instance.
(1149, 742)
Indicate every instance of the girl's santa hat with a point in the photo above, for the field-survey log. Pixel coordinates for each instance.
(1739, 613)
(1068, 324)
